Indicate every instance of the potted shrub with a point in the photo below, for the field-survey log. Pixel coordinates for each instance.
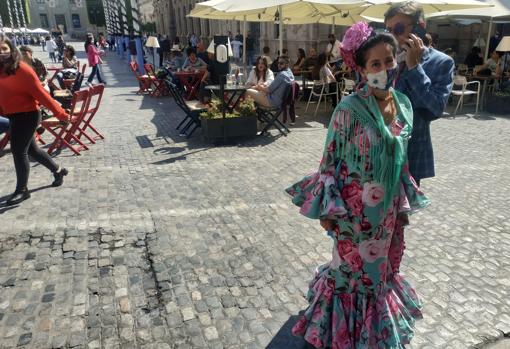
(240, 123)
(498, 102)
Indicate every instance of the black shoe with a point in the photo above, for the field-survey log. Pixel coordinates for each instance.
(18, 197)
(59, 177)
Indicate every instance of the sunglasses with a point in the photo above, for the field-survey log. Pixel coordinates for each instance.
(398, 29)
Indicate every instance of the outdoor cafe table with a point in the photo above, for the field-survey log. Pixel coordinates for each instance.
(191, 82)
(235, 92)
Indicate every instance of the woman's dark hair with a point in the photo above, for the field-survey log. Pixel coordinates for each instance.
(301, 54)
(361, 54)
(70, 49)
(10, 66)
(89, 41)
(190, 50)
(321, 60)
(266, 67)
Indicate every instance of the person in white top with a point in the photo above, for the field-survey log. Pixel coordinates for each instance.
(327, 77)
(260, 74)
(333, 51)
(51, 45)
(236, 48)
(265, 54)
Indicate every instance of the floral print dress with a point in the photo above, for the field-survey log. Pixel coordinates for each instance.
(358, 300)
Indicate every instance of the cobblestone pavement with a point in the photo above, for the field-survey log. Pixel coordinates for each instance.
(159, 242)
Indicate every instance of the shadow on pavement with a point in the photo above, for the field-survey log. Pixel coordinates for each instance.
(284, 338)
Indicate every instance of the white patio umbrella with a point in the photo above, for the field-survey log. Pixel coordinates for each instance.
(6, 30)
(498, 13)
(38, 31)
(283, 11)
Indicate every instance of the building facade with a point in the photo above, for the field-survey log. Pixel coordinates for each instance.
(146, 8)
(70, 15)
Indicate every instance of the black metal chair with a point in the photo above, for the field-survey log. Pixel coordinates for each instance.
(270, 116)
(191, 109)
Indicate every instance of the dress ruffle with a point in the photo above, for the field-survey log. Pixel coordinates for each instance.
(358, 320)
(318, 195)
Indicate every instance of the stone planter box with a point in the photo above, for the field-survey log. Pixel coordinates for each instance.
(498, 104)
(216, 129)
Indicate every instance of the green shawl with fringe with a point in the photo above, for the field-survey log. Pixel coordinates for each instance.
(389, 154)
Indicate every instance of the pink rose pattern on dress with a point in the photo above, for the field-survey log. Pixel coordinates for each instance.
(363, 282)
(373, 194)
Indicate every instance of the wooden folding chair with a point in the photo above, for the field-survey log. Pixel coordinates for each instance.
(4, 140)
(144, 81)
(95, 96)
(65, 133)
(160, 88)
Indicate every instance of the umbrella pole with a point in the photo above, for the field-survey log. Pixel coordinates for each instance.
(333, 25)
(488, 40)
(280, 28)
(244, 45)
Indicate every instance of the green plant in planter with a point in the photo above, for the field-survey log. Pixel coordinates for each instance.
(213, 111)
(247, 107)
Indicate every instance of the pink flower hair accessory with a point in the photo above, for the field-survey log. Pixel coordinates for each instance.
(354, 37)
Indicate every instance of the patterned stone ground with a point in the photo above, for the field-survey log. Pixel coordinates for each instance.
(156, 241)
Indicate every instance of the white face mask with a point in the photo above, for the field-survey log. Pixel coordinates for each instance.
(382, 80)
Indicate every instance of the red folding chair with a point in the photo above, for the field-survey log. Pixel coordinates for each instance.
(95, 96)
(4, 141)
(160, 88)
(66, 133)
(144, 81)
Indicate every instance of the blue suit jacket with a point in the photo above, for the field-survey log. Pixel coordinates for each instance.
(428, 86)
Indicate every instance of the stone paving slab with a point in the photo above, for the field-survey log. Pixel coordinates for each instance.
(155, 241)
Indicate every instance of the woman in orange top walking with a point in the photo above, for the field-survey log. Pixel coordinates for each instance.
(21, 93)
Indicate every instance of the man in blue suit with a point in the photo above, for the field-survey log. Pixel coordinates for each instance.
(426, 77)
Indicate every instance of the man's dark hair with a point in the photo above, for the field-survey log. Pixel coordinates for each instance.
(408, 8)
(285, 59)
(265, 50)
(12, 63)
(331, 36)
(190, 50)
(361, 54)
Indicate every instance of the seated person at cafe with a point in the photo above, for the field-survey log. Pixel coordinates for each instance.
(327, 77)
(70, 65)
(492, 66)
(266, 55)
(474, 57)
(260, 74)
(36, 64)
(300, 62)
(176, 58)
(274, 66)
(272, 96)
(192, 62)
(310, 63)
(211, 77)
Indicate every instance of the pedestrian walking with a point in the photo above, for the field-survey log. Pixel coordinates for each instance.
(94, 59)
(362, 194)
(51, 45)
(21, 93)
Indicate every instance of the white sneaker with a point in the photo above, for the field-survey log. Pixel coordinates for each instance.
(89, 84)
